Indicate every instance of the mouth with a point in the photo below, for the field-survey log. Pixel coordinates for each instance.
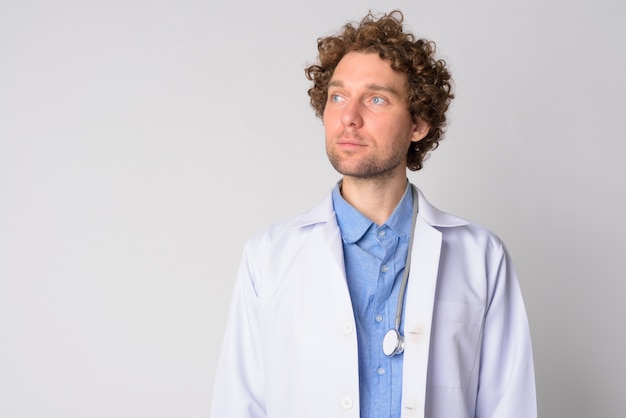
(349, 145)
(350, 140)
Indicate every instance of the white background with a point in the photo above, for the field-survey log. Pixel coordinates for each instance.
(142, 142)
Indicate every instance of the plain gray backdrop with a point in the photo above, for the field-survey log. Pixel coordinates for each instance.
(142, 142)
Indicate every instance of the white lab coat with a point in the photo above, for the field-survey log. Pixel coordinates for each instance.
(290, 348)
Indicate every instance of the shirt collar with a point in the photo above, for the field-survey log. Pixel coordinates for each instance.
(353, 224)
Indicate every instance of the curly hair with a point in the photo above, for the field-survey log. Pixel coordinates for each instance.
(429, 81)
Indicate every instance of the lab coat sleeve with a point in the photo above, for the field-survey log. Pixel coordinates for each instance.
(239, 382)
(507, 382)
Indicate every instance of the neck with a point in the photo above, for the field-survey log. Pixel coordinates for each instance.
(375, 199)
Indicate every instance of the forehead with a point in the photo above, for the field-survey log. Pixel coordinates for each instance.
(357, 69)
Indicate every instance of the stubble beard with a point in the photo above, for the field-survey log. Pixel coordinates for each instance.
(370, 167)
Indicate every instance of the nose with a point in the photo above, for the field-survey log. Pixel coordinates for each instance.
(352, 115)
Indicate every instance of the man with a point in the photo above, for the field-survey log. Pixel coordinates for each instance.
(375, 303)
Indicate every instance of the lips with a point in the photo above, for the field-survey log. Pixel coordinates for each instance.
(350, 139)
(349, 145)
(348, 142)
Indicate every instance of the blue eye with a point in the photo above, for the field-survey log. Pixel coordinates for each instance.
(335, 98)
(378, 100)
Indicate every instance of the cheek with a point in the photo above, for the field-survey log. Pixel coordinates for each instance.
(328, 126)
(327, 115)
(329, 119)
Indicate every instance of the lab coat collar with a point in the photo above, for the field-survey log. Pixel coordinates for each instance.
(324, 212)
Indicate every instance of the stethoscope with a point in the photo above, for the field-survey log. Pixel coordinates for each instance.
(393, 343)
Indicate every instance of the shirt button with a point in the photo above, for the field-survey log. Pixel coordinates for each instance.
(380, 371)
(346, 402)
(381, 233)
(379, 318)
(347, 328)
(384, 269)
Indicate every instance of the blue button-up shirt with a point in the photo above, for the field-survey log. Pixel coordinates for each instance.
(374, 257)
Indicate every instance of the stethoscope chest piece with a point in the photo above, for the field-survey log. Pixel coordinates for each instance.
(393, 343)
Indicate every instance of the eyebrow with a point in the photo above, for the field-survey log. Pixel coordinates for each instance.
(371, 86)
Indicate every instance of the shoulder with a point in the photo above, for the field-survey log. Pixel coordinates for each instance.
(294, 229)
(473, 259)
(456, 230)
(273, 254)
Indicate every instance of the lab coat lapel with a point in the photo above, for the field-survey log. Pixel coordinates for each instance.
(418, 315)
(322, 218)
(332, 238)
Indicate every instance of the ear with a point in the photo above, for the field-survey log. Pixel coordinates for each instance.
(420, 130)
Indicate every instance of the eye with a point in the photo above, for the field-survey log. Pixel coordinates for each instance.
(335, 98)
(377, 100)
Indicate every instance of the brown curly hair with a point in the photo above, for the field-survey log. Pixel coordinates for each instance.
(429, 81)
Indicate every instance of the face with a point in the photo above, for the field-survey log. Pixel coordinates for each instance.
(368, 125)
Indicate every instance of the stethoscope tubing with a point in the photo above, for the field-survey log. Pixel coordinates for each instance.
(394, 341)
